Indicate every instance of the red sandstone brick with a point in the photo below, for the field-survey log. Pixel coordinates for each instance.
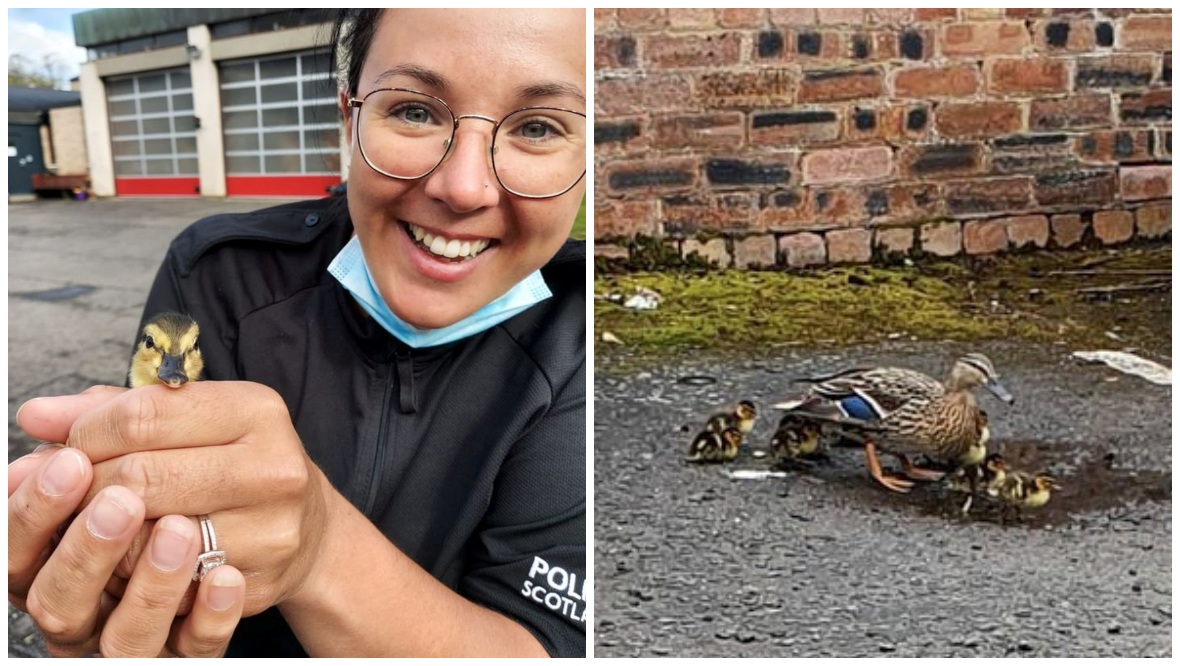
(885, 16)
(898, 239)
(837, 16)
(846, 165)
(764, 87)
(640, 94)
(1016, 13)
(1074, 186)
(838, 207)
(1113, 226)
(984, 236)
(645, 177)
(716, 130)
(695, 50)
(923, 14)
(909, 201)
(986, 38)
(978, 119)
(991, 195)
(642, 19)
(1018, 76)
(614, 218)
(741, 18)
(1028, 229)
(837, 85)
(1077, 111)
(1146, 33)
(923, 82)
(980, 14)
(605, 19)
(754, 251)
(849, 246)
(1110, 146)
(792, 16)
(1154, 220)
(691, 19)
(1145, 182)
(1067, 229)
(770, 129)
(944, 239)
(614, 52)
(685, 214)
(803, 249)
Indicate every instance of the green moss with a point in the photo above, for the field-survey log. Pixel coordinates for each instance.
(968, 299)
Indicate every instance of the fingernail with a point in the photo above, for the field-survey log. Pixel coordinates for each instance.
(46, 446)
(226, 588)
(22, 408)
(111, 516)
(63, 474)
(170, 543)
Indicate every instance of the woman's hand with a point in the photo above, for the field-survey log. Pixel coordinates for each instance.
(227, 449)
(59, 581)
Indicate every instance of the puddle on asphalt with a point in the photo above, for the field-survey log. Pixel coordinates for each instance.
(1092, 484)
(60, 294)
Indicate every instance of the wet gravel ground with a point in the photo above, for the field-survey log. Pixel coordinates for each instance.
(824, 562)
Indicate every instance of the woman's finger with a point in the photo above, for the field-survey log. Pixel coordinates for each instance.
(139, 626)
(49, 419)
(158, 417)
(21, 468)
(43, 501)
(206, 631)
(64, 599)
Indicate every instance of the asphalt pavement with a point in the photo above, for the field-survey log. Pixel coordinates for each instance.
(824, 562)
(78, 277)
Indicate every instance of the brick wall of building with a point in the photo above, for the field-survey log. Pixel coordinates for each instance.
(69, 141)
(808, 136)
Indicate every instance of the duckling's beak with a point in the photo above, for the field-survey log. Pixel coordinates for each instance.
(172, 371)
(999, 391)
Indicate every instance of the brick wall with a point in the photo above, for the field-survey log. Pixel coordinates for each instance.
(809, 136)
(69, 140)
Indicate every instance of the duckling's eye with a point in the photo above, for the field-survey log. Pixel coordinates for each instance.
(149, 342)
(196, 347)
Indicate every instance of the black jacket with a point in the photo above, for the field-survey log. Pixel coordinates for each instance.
(470, 457)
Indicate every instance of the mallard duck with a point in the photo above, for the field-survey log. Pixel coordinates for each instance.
(167, 352)
(742, 417)
(916, 414)
(709, 446)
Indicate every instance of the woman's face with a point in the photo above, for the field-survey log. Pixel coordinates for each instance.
(485, 62)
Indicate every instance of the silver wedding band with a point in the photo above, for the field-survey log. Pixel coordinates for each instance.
(210, 558)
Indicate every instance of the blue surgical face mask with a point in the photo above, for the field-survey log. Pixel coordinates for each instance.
(350, 269)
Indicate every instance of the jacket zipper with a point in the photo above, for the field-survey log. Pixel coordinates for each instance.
(379, 445)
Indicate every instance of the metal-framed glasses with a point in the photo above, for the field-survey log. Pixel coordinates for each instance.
(537, 152)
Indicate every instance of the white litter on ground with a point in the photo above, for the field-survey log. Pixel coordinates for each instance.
(644, 299)
(1129, 364)
(754, 474)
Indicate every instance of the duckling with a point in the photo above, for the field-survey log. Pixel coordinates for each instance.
(1020, 491)
(167, 352)
(795, 438)
(742, 417)
(709, 446)
(969, 478)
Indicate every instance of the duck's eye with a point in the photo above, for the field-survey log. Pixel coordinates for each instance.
(149, 342)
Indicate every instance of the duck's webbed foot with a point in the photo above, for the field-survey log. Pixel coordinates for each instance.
(894, 483)
(919, 473)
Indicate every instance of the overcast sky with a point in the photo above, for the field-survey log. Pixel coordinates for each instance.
(35, 33)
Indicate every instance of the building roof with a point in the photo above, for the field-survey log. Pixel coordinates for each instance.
(40, 99)
(102, 26)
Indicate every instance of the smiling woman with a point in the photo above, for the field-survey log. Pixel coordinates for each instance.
(389, 441)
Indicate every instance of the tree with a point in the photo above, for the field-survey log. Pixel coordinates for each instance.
(25, 73)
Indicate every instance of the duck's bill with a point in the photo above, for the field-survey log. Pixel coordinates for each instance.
(171, 372)
(1000, 392)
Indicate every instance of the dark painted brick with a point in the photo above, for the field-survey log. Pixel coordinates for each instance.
(860, 47)
(822, 199)
(945, 158)
(916, 119)
(770, 43)
(615, 132)
(1155, 105)
(1166, 72)
(877, 203)
(1124, 144)
(785, 199)
(764, 120)
(1057, 34)
(1023, 140)
(626, 51)
(1091, 76)
(865, 120)
(742, 172)
(1072, 187)
(911, 45)
(808, 43)
(625, 180)
(1104, 34)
